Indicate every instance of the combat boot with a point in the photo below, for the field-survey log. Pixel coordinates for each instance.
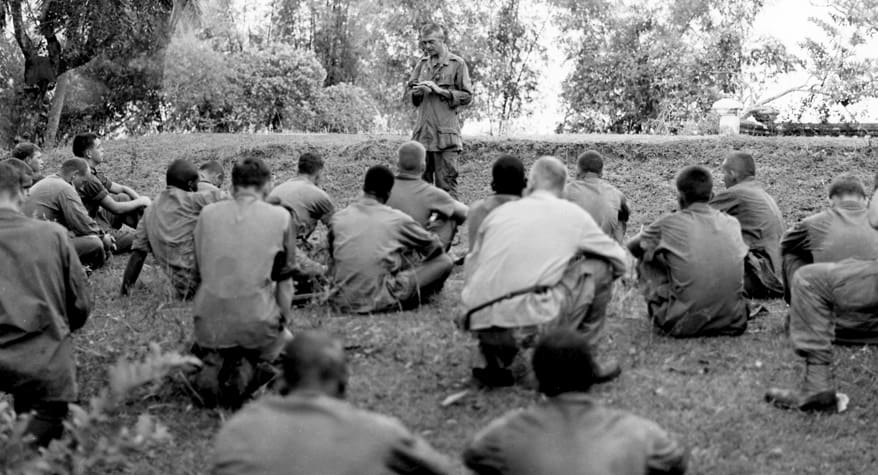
(817, 392)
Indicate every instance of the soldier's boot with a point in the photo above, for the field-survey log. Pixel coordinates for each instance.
(817, 392)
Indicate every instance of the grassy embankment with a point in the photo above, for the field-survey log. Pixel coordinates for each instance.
(708, 392)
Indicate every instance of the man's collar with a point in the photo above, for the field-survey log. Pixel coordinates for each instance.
(442, 58)
(6, 212)
(588, 176)
(246, 194)
(851, 205)
(699, 207)
(401, 175)
(575, 397)
(367, 200)
(542, 194)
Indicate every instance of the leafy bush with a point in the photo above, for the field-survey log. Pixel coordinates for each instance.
(344, 108)
(279, 86)
(94, 441)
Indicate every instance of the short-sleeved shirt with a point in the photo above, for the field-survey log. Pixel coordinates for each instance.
(370, 243)
(93, 189)
(480, 209)
(43, 295)
(571, 434)
(838, 233)
(603, 201)
(525, 244)
(419, 199)
(704, 253)
(761, 221)
(309, 434)
(242, 246)
(167, 229)
(437, 126)
(53, 199)
(309, 203)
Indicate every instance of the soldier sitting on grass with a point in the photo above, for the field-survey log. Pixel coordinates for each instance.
(309, 205)
(211, 176)
(112, 205)
(570, 432)
(167, 230)
(245, 253)
(43, 297)
(311, 429)
(691, 264)
(382, 259)
(432, 207)
(508, 181)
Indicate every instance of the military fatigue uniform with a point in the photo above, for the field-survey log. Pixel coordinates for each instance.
(92, 191)
(838, 233)
(572, 434)
(762, 228)
(423, 201)
(692, 273)
(438, 126)
(603, 201)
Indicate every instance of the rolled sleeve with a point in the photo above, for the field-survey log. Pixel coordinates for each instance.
(92, 190)
(462, 93)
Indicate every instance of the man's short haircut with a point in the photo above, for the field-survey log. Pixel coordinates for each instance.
(742, 163)
(847, 184)
(24, 150)
(25, 174)
(508, 175)
(314, 356)
(410, 156)
(250, 171)
(74, 165)
(310, 163)
(695, 183)
(562, 363)
(379, 181)
(213, 167)
(83, 142)
(549, 172)
(432, 28)
(181, 173)
(590, 161)
(10, 178)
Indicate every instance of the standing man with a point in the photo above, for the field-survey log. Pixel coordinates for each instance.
(439, 85)
(43, 297)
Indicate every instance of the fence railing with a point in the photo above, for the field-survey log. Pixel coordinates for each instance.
(810, 130)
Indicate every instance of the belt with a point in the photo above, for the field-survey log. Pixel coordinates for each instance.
(534, 289)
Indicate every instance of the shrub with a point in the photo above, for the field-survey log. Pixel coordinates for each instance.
(344, 108)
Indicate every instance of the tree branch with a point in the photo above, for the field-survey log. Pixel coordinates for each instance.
(21, 37)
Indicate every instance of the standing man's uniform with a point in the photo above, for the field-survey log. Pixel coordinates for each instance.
(692, 273)
(762, 228)
(43, 297)
(423, 201)
(242, 246)
(572, 434)
(603, 201)
(838, 233)
(54, 199)
(437, 126)
(538, 263)
(310, 434)
(376, 255)
(167, 230)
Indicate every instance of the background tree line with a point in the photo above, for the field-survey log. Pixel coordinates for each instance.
(137, 66)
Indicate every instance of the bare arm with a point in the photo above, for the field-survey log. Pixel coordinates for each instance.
(117, 188)
(122, 207)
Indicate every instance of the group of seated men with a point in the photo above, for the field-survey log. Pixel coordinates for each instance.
(543, 258)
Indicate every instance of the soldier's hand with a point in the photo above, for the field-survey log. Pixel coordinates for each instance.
(109, 242)
(432, 86)
(145, 201)
(420, 89)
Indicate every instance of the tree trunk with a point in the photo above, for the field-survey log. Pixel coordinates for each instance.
(56, 109)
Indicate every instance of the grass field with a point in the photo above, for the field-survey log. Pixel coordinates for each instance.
(706, 391)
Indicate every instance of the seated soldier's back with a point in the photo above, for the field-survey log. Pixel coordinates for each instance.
(419, 199)
(238, 244)
(842, 232)
(757, 212)
(43, 202)
(309, 434)
(367, 248)
(600, 199)
(308, 201)
(571, 434)
(705, 254)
